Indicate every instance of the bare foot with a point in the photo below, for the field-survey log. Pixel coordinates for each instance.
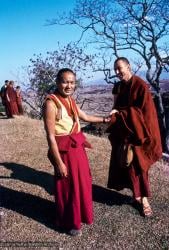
(147, 211)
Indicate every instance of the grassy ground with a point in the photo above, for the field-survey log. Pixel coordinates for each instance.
(27, 203)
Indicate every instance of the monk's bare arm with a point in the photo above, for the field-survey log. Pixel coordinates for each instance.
(91, 118)
(49, 121)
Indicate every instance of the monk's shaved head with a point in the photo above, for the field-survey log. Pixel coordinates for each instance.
(124, 59)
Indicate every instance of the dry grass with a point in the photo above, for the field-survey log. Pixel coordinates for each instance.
(27, 208)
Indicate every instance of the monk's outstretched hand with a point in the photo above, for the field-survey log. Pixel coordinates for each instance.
(113, 112)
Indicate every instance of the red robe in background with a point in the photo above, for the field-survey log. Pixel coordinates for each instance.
(19, 102)
(137, 124)
(11, 101)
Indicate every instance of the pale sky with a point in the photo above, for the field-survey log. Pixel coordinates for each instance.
(23, 32)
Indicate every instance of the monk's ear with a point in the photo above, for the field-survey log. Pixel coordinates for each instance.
(129, 67)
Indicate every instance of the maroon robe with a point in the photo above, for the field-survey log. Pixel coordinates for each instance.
(19, 102)
(137, 124)
(11, 101)
(73, 195)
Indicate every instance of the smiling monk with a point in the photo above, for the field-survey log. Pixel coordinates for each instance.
(73, 182)
(134, 122)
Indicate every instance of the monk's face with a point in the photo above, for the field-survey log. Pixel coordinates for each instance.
(67, 86)
(123, 70)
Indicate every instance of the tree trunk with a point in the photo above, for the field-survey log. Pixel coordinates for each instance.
(162, 118)
(165, 99)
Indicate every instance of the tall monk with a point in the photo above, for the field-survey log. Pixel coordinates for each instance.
(134, 122)
(73, 182)
(11, 101)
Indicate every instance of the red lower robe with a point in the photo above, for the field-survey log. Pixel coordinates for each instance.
(11, 102)
(137, 124)
(19, 103)
(73, 195)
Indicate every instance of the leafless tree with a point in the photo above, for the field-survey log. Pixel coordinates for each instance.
(135, 27)
(43, 70)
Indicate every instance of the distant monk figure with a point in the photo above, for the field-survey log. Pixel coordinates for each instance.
(11, 101)
(73, 182)
(3, 90)
(3, 96)
(19, 100)
(134, 127)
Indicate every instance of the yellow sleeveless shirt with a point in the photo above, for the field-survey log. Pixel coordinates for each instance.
(64, 124)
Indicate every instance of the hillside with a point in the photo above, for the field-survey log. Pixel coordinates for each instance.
(94, 99)
(27, 203)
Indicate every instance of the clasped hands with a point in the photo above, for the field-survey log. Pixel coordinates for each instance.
(108, 118)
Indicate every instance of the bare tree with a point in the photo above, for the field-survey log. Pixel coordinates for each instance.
(43, 71)
(135, 27)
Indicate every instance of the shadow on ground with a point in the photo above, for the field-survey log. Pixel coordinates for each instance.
(45, 180)
(29, 205)
(40, 209)
(43, 211)
(110, 197)
(29, 175)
